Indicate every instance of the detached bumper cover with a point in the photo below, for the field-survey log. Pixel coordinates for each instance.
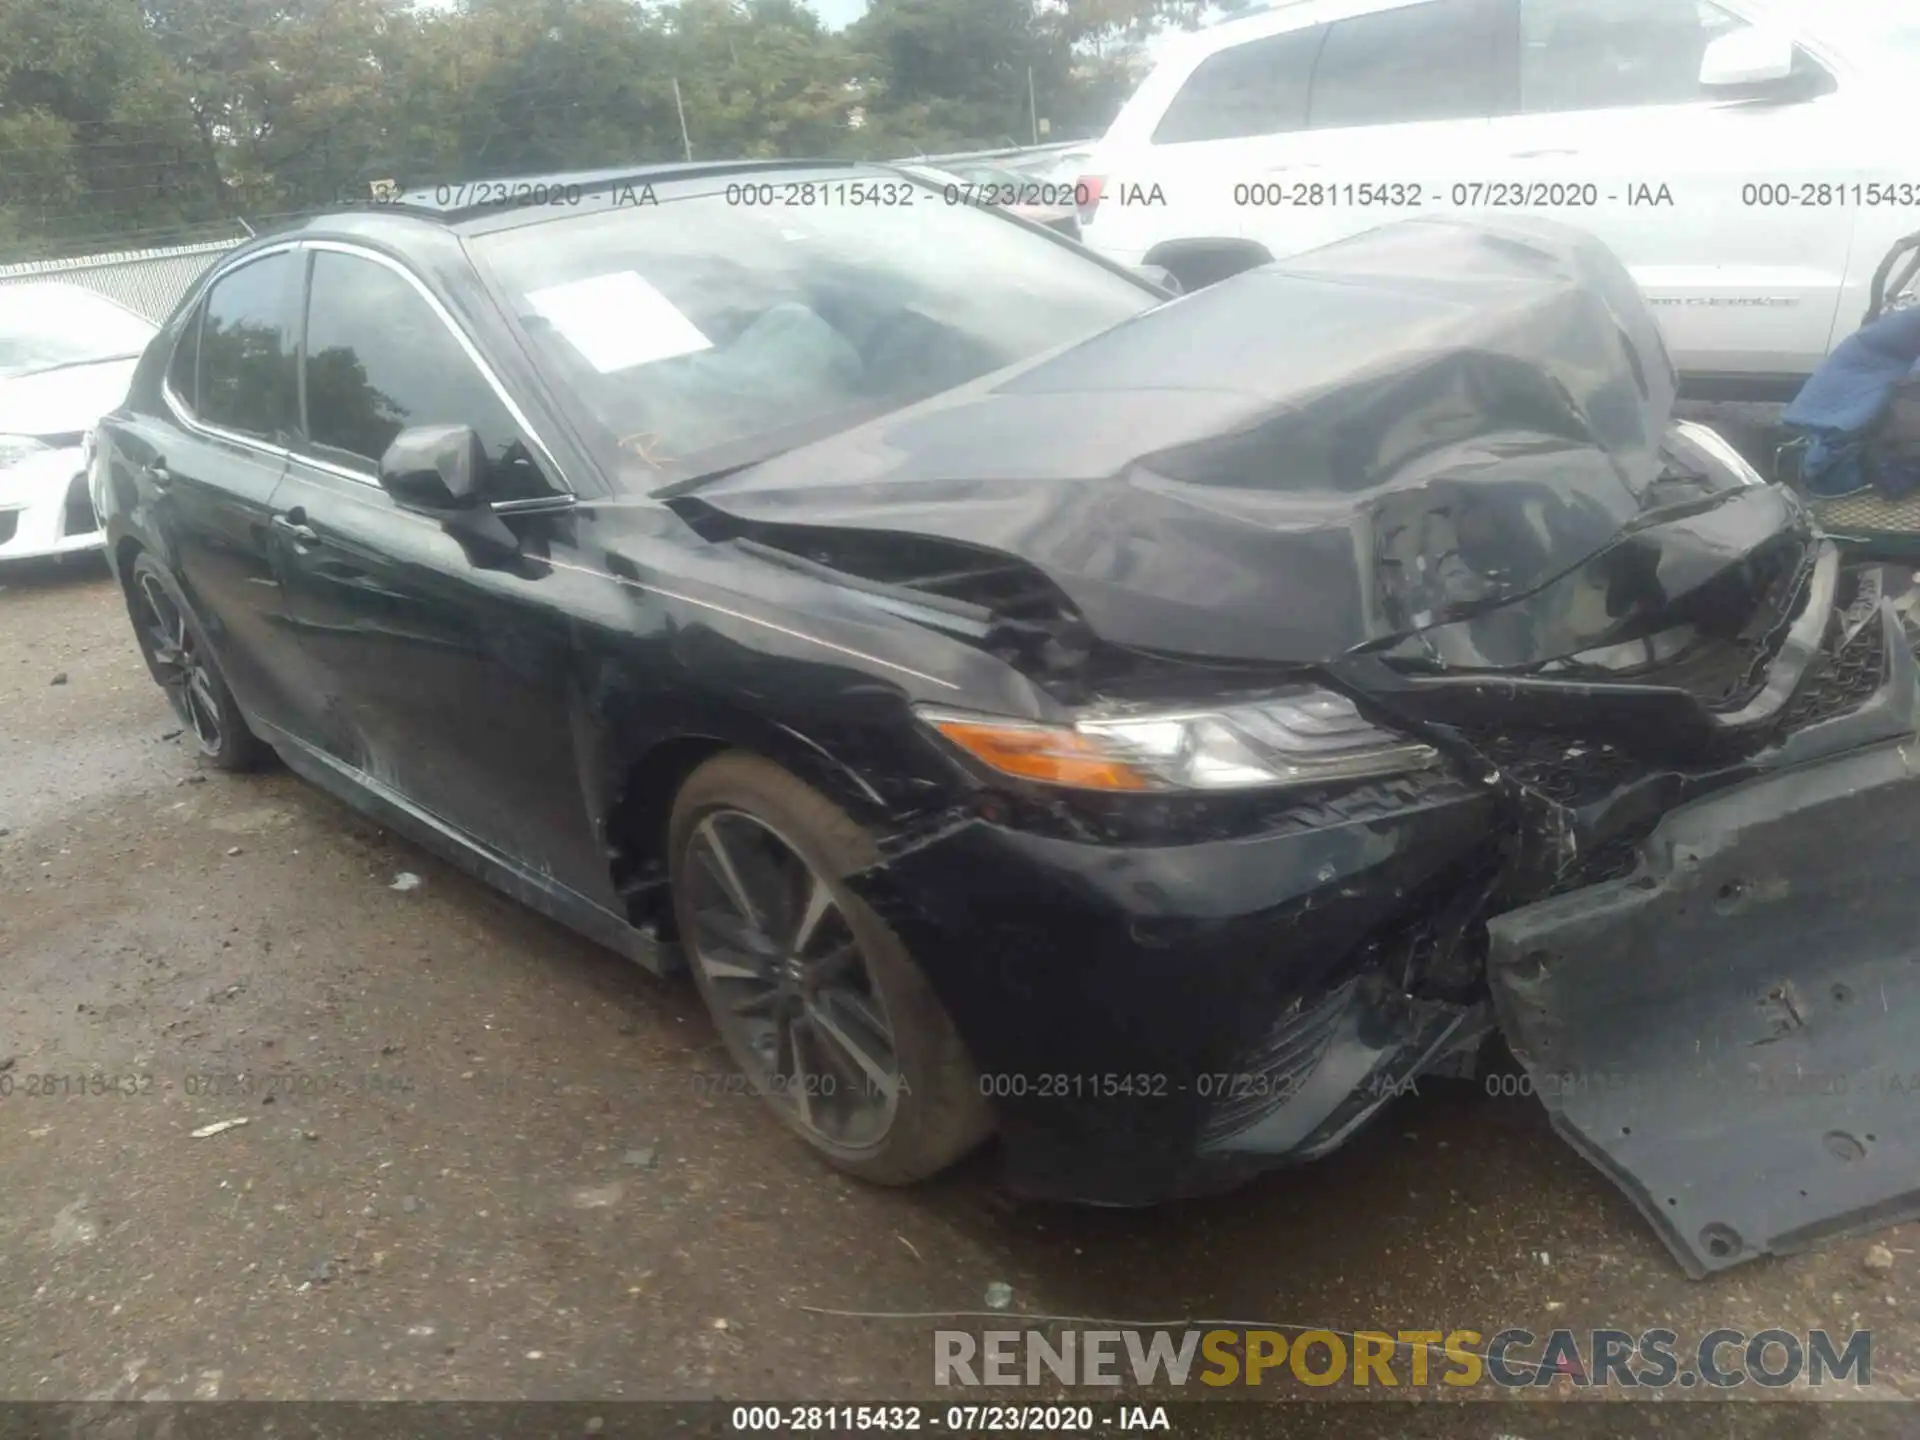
(1727, 1033)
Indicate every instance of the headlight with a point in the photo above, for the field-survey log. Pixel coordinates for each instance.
(15, 448)
(1303, 737)
(1718, 446)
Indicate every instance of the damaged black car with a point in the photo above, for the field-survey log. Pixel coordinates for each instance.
(1147, 730)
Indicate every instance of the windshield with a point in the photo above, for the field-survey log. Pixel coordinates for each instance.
(43, 326)
(714, 330)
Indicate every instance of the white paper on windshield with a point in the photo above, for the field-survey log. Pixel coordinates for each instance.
(618, 321)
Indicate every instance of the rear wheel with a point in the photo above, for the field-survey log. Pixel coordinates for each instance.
(182, 662)
(813, 994)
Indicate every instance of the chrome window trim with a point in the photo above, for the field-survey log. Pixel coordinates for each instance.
(174, 403)
(345, 472)
(545, 453)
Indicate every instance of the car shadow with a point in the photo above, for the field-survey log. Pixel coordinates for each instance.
(55, 572)
(1444, 1189)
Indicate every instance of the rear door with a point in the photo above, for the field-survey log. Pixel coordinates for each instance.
(208, 466)
(445, 681)
(1182, 172)
(1303, 136)
(1614, 133)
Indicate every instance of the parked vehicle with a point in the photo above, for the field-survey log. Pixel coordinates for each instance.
(1153, 732)
(1745, 160)
(66, 355)
(1045, 202)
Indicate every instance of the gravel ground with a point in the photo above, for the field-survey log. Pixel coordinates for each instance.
(483, 1159)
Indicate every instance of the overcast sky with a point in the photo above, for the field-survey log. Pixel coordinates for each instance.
(839, 13)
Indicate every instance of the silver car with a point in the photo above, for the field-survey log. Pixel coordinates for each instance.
(66, 356)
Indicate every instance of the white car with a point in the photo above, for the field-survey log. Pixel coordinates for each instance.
(1750, 162)
(66, 356)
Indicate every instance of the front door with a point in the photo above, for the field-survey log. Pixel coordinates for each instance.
(446, 682)
(1398, 111)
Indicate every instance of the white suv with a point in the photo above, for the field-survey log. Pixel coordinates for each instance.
(1750, 163)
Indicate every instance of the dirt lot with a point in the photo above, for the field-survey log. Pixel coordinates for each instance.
(484, 1159)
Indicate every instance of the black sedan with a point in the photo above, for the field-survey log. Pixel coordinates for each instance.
(1153, 730)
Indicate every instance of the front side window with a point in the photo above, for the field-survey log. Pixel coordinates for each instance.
(248, 376)
(1259, 88)
(1615, 54)
(1428, 61)
(717, 328)
(380, 359)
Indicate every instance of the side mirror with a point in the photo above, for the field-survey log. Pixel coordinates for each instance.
(434, 467)
(1748, 56)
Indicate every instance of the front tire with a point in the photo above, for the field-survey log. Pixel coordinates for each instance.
(813, 994)
(182, 664)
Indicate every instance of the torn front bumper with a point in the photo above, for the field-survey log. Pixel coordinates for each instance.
(1726, 1032)
(1160, 1020)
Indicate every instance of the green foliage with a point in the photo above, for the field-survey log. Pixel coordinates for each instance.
(133, 122)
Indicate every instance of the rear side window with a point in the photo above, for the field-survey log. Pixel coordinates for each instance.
(248, 381)
(1259, 88)
(1429, 61)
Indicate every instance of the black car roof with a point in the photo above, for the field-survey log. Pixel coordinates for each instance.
(453, 202)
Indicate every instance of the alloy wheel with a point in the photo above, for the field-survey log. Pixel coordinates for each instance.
(185, 673)
(790, 985)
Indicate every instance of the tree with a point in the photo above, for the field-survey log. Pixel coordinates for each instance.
(95, 134)
(283, 92)
(123, 121)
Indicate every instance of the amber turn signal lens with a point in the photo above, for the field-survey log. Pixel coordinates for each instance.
(1044, 753)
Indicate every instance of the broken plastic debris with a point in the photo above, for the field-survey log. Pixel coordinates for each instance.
(218, 1126)
(405, 880)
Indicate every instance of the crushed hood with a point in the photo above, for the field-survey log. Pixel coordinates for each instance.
(1403, 429)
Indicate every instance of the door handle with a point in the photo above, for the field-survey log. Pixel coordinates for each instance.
(293, 526)
(156, 474)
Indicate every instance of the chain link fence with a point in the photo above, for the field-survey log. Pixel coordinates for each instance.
(149, 282)
(152, 281)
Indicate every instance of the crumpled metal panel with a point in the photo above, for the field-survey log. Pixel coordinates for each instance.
(1727, 1034)
(1391, 433)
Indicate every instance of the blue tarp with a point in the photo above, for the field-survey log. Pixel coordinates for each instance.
(1846, 397)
